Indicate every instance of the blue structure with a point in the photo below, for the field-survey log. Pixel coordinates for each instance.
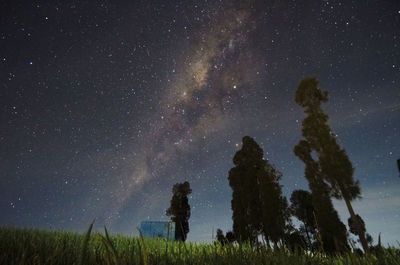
(158, 229)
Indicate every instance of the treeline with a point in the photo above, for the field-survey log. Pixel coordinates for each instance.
(261, 212)
(262, 215)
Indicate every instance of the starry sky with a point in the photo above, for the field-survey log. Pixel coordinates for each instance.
(105, 105)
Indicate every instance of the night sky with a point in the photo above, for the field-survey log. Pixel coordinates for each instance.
(105, 105)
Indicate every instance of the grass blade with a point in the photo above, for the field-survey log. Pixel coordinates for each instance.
(83, 260)
(145, 251)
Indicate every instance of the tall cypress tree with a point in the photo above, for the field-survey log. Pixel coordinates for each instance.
(274, 206)
(335, 165)
(243, 180)
(257, 203)
(332, 232)
(180, 209)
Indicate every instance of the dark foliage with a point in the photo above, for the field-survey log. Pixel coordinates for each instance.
(230, 237)
(180, 209)
(356, 225)
(257, 202)
(295, 241)
(220, 237)
(334, 164)
(302, 207)
(331, 232)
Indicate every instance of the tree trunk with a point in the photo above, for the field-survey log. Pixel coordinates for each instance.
(361, 235)
(267, 241)
(309, 240)
(275, 246)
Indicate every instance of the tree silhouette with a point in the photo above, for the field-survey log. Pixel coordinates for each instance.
(230, 237)
(331, 231)
(180, 209)
(295, 240)
(274, 206)
(335, 165)
(302, 207)
(245, 196)
(257, 203)
(220, 237)
(359, 227)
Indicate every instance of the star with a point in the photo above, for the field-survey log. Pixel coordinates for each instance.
(124, 101)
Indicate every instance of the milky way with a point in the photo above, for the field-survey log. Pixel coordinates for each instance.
(105, 106)
(197, 100)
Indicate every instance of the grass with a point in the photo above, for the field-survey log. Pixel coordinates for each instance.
(29, 246)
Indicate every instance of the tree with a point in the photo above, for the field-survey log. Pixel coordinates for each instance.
(230, 237)
(359, 227)
(180, 209)
(274, 206)
(220, 237)
(245, 196)
(257, 202)
(295, 240)
(302, 207)
(331, 232)
(335, 165)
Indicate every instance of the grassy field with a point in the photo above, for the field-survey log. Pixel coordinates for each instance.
(27, 246)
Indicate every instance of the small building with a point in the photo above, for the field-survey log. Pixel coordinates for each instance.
(158, 229)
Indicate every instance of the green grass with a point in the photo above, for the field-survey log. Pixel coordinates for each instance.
(28, 246)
